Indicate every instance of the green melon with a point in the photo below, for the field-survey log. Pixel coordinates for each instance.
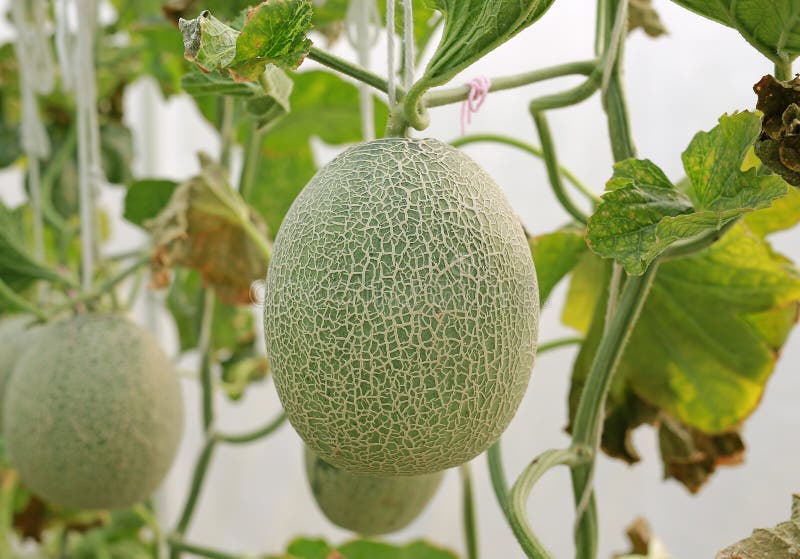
(369, 506)
(401, 309)
(16, 334)
(93, 413)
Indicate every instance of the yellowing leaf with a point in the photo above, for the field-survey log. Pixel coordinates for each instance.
(209, 228)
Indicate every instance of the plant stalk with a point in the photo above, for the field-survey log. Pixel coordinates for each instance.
(178, 545)
(588, 422)
(468, 512)
(257, 434)
(524, 146)
(446, 96)
(204, 348)
(200, 470)
(349, 69)
(553, 173)
(783, 70)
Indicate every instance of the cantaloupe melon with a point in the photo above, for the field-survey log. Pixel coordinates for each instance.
(401, 309)
(93, 413)
(366, 505)
(16, 334)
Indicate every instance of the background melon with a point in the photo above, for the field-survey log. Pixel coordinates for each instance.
(16, 334)
(401, 309)
(93, 413)
(367, 505)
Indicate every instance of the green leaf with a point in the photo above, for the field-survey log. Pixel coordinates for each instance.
(708, 336)
(783, 214)
(781, 542)
(274, 33)
(323, 105)
(18, 267)
(771, 27)
(473, 28)
(365, 549)
(146, 198)
(585, 289)
(643, 213)
(555, 255)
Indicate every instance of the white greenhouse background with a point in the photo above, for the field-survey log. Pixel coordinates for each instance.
(256, 498)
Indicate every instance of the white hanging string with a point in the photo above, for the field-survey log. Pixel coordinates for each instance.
(392, 87)
(408, 44)
(36, 68)
(360, 14)
(64, 45)
(89, 171)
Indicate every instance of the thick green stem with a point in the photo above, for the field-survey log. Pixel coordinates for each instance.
(257, 434)
(551, 161)
(438, 97)
(226, 130)
(569, 97)
(349, 69)
(783, 70)
(588, 422)
(521, 491)
(177, 545)
(198, 477)
(468, 512)
(524, 146)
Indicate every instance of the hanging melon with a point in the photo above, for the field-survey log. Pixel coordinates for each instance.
(401, 309)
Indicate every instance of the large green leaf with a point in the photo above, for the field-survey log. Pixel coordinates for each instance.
(555, 255)
(473, 28)
(780, 542)
(324, 106)
(703, 347)
(643, 213)
(773, 27)
(274, 33)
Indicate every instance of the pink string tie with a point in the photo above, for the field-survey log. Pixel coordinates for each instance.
(478, 90)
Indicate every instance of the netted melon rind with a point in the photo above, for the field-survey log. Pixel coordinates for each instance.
(401, 309)
(93, 414)
(369, 506)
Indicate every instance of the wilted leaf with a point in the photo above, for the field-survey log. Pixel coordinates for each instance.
(146, 198)
(691, 457)
(781, 542)
(704, 345)
(209, 228)
(644, 545)
(555, 255)
(778, 146)
(643, 213)
(771, 27)
(642, 15)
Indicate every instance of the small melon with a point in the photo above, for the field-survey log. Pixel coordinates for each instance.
(401, 309)
(16, 334)
(93, 413)
(369, 506)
